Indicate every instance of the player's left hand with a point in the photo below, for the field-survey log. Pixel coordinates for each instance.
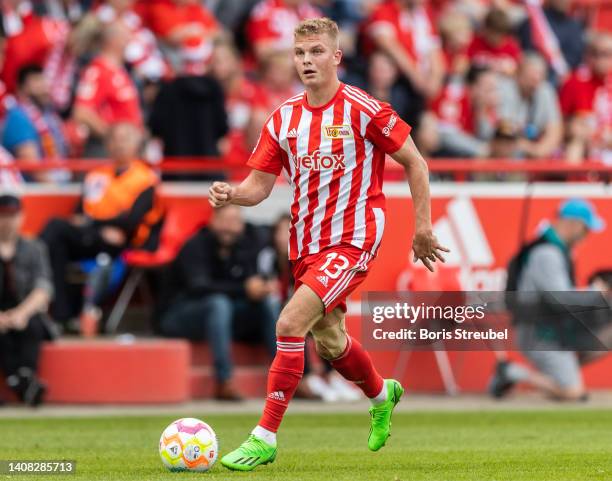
(427, 249)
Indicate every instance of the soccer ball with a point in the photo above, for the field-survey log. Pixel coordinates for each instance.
(188, 444)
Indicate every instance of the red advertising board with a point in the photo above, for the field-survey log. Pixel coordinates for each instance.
(483, 225)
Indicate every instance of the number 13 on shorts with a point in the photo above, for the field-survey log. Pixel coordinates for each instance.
(335, 264)
(333, 273)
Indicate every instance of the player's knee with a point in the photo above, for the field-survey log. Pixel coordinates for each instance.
(297, 318)
(289, 327)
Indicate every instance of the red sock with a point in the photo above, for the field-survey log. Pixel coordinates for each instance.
(285, 374)
(356, 365)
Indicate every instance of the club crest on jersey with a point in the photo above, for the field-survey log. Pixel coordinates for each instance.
(319, 161)
(338, 131)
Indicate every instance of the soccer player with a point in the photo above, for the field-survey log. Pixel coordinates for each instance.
(331, 142)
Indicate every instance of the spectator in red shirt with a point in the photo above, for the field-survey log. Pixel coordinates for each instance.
(241, 98)
(141, 52)
(30, 39)
(188, 30)
(106, 94)
(495, 47)
(464, 116)
(457, 33)
(586, 102)
(404, 30)
(271, 24)
(7, 100)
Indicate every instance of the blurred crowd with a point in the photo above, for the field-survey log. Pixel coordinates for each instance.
(498, 79)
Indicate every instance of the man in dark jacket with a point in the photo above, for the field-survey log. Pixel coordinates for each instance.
(25, 292)
(189, 117)
(214, 293)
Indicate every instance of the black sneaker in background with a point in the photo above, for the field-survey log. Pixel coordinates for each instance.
(500, 384)
(29, 388)
(34, 392)
(17, 384)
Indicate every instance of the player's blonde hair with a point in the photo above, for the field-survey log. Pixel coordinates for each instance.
(318, 26)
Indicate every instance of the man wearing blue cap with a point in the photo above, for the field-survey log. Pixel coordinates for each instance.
(545, 266)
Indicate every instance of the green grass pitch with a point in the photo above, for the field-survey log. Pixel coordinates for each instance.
(536, 445)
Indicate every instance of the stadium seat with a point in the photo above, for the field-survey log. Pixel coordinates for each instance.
(251, 365)
(117, 371)
(180, 223)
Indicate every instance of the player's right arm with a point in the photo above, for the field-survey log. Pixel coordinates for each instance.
(253, 190)
(266, 164)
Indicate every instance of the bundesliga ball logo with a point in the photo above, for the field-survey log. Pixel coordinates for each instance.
(188, 444)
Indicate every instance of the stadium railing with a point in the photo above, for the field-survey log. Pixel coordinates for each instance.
(456, 169)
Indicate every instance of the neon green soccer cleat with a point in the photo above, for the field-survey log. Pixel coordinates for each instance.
(380, 415)
(249, 455)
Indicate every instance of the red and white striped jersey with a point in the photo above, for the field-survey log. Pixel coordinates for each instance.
(333, 157)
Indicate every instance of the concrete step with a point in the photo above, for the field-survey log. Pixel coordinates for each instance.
(250, 381)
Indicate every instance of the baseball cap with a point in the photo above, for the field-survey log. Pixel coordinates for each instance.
(9, 204)
(583, 210)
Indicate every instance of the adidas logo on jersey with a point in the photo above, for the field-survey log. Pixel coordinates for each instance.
(292, 134)
(317, 161)
(278, 395)
(323, 280)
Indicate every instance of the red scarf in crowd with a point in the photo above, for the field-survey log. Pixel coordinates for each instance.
(60, 67)
(422, 35)
(49, 148)
(544, 38)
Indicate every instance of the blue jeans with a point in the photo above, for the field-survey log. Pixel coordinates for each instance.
(217, 318)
